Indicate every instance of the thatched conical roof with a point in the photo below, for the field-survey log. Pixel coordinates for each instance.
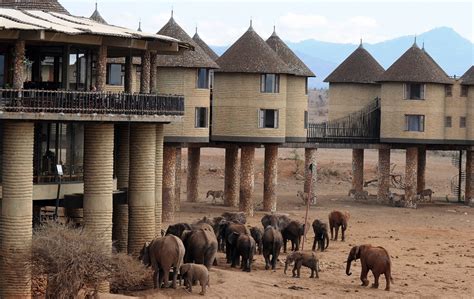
(251, 54)
(205, 47)
(46, 5)
(297, 67)
(190, 59)
(96, 16)
(415, 65)
(359, 67)
(468, 77)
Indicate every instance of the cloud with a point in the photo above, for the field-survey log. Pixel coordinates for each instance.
(362, 21)
(302, 21)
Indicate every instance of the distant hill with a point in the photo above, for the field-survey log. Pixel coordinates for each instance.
(454, 53)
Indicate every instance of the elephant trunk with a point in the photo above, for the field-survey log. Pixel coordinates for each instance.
(327, 240)
(348, 267)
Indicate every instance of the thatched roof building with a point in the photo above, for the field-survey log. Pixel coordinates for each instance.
(468, 77)
(46, 5)
(205, 47)
(96, 16)
(415, 65)
(359, 67)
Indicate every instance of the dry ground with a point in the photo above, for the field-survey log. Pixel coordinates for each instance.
(432, 247)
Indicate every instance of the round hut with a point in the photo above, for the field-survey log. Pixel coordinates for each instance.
(466, 91)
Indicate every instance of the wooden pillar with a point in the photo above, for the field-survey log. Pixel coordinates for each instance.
(310, 178)
(192, 181)
(169, 179)
(421, 170)
(159, 178)
(145, 74)
(231, 179)
(141, 195)
(18, 64)
(384, 175)
(247, 180)
(177, 183)
(128, 88)
(153, 72)
(469, 178)
(101, 67)
(270, 178)
(410, 176)
(358, 169)
(16, 210)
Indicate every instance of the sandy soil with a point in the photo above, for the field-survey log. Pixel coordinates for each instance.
(432, 247)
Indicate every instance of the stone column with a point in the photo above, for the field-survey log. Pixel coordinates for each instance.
(469, 177)
(270, 178)
(120, 227)
(358, 169)
(159, 178)
(310, 179)
(231, 178)
(141, 194)
(123, 156)
(384, 175)
(247, 180)
(16, 210)
(101, 68)
(145, 74)
(410, 176)
(153, 72)
(169, 178)
(421, 170)
(192, 181)
(177, 183)
(18, 64)
(128, 88)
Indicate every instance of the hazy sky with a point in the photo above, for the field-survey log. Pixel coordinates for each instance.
(222, 22)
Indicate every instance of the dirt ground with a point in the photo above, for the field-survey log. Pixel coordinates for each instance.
(432, 247)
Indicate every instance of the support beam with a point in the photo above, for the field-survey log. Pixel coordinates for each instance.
(153, 71)
(231, 178)
(16, 210)
(270, 178)
(310, 179)
(101, 68)
(192, 181)
(469, 178)
(177, 183)
(18, 64)
(128, 86)
(410, 176)
(169, 178)
(247, 180)
(358, 169)
(159, 178)
(384, 175)
(145, 74)
(421, 170)
(141, 198)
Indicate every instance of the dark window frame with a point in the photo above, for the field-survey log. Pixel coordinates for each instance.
(200, 119)
(421, 123)
(264, 120)
(448, 90)
(273, 87)
(122, 74)
(448, 122)
(203, 78)
(410, 91)
(306, 119)
(464, 90)
(462, 122)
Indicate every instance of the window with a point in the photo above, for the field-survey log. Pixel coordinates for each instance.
(462, 122)
(268, 118)
(414, 91)
(306, 119)
(306, 86)
(115, 74)
(201, 117)
(203, 78)
(415, 123)
(464, 90)
(448, 122)
(448, 90)
(270, 83)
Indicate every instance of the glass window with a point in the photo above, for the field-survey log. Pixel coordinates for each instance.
(415, 123)
(462, 122)
(306, 119)
(448, 122)
(115, 74)
(464, 90)
(268, 118)
(448, 89)
(414, 91)
(306, 86)
(201, 117)
(270, 83)
(203, 78)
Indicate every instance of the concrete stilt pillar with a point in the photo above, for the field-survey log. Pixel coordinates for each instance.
(231, 179)
(310, 179)
(247, 180)
(16, 210)
(141, 194)
(469, 177)
(384, 175)
(177, 183)
(192, 181)
(120, 227)
(410, 176)
(101, 68)
(421, 170)
(153, 72)
(145, 74)
(18, 64)
(169, 179)
(159, 178)
(120, 210)
(358, 169)
(270, 178)
(128, 86)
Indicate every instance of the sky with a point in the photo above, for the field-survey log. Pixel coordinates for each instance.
(220, 23)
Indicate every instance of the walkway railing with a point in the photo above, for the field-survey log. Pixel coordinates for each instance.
(47, 101)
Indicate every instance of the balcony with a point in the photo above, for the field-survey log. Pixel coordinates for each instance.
(51, 105)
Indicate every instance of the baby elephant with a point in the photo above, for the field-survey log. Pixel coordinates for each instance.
(192, 273)
(307, 259)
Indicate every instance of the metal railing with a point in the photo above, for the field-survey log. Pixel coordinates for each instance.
(89, 102)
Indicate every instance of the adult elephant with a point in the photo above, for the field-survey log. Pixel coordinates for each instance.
(178, 229)
(371, 258)
(321, 236)
(278, 221)
(272, 241)
(163, 254)
(227, 230)
(200, 244)
(293, 232)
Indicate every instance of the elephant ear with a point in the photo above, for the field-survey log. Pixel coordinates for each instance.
(232, 238)
(145, 254)
(357, 252)
(184, 269)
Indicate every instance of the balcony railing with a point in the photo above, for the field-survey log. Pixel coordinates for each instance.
(84, 102)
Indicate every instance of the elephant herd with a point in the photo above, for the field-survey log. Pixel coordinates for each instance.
(192, 248)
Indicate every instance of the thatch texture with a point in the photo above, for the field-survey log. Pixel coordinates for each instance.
(96, 16)
(359, 67)
(297, 67)
(46, 5)
(205, 47)
(468, 77)
(251, 54)
(191, 59)
(415, 65)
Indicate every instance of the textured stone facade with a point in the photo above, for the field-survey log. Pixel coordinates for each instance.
(469, 177)
(310, 177)
(192, 181)
(358, 170)
(411, 176)
(383, 175)
(145, 74)
(270, 181)
(231, 184)
(345, 98)
(153, 72)
(18, 64)
(129, 74)
(101, 69)
(421, 170)
(177, 183)
(169, 179)
(247, 180)
(296, 105)
(120, 227)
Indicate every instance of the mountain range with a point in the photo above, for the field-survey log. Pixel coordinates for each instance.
(454, 53)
